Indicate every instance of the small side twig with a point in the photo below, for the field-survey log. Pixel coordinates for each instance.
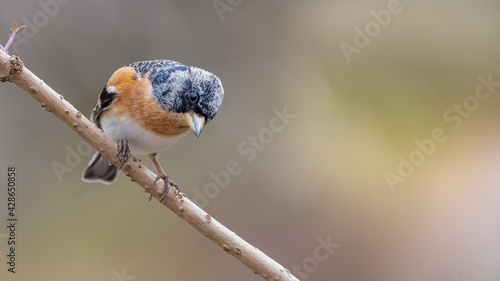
(14, 29)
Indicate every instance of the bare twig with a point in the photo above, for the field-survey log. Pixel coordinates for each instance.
(14, 29)
(12, 70)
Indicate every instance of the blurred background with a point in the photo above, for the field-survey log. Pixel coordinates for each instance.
(385, 168)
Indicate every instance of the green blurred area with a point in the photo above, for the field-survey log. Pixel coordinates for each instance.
(323, 175)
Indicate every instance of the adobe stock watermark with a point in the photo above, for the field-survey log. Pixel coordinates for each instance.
(249, 149)
(372, 29)
(49, 9)
(223, 6)
(321, 253)
(73, 158)
(454, 116)
(121, 276)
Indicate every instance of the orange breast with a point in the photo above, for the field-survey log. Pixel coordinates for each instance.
(135, 99)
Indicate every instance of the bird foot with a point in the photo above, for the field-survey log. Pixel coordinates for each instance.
(123, 152)
(167, 184)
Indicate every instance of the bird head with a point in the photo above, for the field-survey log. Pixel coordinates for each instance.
(203, 98)
(188, 90)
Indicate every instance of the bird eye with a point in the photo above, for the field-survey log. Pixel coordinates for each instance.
(193, 97)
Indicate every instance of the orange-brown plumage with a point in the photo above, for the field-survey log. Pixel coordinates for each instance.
(135, 99)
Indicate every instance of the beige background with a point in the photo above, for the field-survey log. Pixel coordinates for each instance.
(321, 176)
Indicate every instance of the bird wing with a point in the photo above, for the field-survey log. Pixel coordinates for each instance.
(103, 102)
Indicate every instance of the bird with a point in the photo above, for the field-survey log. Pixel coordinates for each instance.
(146, 107)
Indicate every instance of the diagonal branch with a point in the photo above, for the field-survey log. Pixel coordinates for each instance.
(13, 70)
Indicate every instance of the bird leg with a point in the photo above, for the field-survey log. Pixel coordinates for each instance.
(163, 176)
(123, 152)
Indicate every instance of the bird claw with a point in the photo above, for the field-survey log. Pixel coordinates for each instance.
(161, 175)
(123, 152)
(167, 183)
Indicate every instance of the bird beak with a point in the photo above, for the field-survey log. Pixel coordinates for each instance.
(195, 122)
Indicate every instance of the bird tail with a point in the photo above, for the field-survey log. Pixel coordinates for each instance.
(100, 170)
